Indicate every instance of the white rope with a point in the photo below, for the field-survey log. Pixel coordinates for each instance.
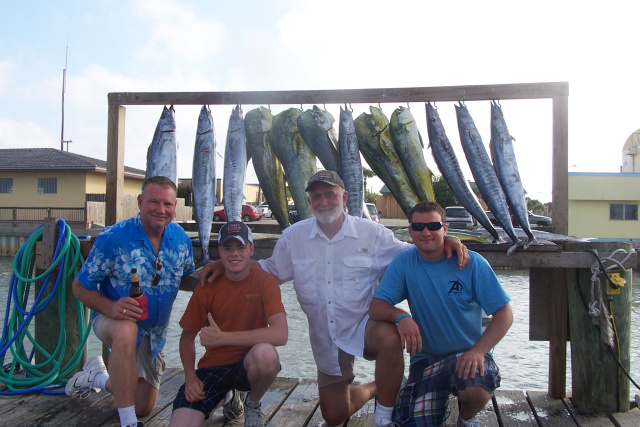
(597, 308)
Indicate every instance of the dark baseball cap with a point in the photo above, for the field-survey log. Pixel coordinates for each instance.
(326, 176)
(235, 230)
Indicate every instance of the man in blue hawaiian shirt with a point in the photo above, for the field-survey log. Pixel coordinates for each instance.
(161, 253)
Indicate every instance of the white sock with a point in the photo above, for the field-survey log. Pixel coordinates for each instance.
(382, 413)
(250, 403)
(228, 398)
(128, 416)
(100, 380)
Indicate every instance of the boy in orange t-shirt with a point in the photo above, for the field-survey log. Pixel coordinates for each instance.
(241, 319)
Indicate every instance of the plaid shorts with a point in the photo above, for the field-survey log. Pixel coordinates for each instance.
(424, 401)
(218, 380)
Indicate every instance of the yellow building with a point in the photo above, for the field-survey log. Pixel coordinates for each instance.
(37, 180)
(604, 206)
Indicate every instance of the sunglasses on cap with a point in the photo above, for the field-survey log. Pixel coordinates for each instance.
(431, 226)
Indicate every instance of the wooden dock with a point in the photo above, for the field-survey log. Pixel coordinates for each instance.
(293, 402)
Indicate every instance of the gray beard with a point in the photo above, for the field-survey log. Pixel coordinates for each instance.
(327, 217)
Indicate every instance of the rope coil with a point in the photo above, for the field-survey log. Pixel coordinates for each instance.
(18, 317)
(597, 308)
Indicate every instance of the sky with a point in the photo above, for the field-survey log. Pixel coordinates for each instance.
(196, 46)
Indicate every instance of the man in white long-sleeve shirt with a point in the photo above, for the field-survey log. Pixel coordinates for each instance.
(335, 261)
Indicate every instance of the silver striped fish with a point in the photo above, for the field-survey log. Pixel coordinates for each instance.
(163, 151)
(235, 166)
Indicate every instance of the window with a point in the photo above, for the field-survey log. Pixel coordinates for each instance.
(47, 185)
(619, 211)
(6, 185)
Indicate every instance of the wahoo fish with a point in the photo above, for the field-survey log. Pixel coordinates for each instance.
(235, 165)
(204, 179)
(504, 162)
(350, 164)
(298, 161)
(410, 148)
(484, 174)
(257, 123)
(162, 152)
(374, 137)
(449, 167)
(316, 128)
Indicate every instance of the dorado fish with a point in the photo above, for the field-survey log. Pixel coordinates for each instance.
(297, 159)
(204, 179)
(484, 174)
(376, 147)
(449, 167)
(235, 166)
(162, 152)
(316, 128)
(410, 148)
(257, 123)
(504, 162)
(350, 164)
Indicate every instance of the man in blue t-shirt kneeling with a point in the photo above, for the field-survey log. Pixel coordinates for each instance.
(449, 351)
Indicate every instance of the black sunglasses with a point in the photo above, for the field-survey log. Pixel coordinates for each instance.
(156, 278)
(431, 226)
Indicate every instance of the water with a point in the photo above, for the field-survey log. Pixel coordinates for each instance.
(523, 363)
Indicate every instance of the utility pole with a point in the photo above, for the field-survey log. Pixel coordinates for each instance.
(64, 84)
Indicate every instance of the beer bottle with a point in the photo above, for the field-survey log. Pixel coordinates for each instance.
(136, 293)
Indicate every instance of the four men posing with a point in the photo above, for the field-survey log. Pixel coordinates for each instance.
(335, 262)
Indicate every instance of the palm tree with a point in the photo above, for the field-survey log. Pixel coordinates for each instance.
(367, 173)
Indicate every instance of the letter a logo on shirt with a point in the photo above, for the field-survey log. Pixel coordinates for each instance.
(456, 288)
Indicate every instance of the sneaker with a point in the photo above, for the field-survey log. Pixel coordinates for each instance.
(233, 409)
(84, 379)
(471, 422)
(253, 417)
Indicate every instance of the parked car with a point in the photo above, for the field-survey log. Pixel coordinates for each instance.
(374, 212)
(249, 213)
(293, 214)
(534, 220)
(539, 220)
(458, 217)
(263, 210)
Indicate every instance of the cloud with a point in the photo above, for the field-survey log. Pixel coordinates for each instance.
(25, 134)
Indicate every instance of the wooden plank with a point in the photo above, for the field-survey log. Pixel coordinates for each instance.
(487, 416)
(560, 159)
(105, 411)
(533, 259)
(549, 411)
(586, 418)
(513, 408)
(341, 96)
(627, 419)
(364, 416)
(299, 407)
(558, 333)
(115, 164)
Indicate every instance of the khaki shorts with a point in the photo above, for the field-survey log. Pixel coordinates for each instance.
(149, 370)
(346, 365)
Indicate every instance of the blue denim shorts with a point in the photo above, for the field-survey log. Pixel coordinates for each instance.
(424, 401)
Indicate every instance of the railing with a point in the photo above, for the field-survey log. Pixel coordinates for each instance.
(27, 217)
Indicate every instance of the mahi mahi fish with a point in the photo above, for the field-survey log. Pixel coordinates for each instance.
(162, 152)
(297, 159)
(257, 123)
(484, 174)
(235, 166)
(204, 179)
(376, 147)
(316, 128)
(410, 148)
(449, 167)
(504, 162)
(350, 163)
